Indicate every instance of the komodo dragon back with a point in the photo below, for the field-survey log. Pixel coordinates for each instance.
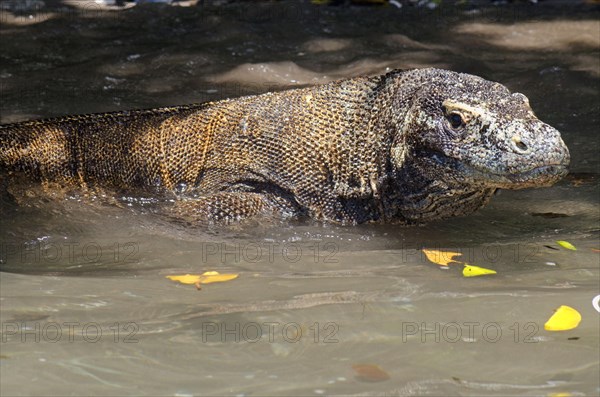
(405, 147)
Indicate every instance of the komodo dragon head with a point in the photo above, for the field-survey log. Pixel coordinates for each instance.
(465, 137)
(477, 132)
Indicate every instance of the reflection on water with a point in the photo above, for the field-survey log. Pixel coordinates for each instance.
(86, 307)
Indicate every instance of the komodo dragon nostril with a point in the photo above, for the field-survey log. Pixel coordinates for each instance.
(519, 145)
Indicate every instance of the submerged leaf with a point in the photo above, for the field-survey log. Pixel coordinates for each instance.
(474, 271)
(370, 373)
(563, 319)
(550, 215)
(442, 258)
(566, 244)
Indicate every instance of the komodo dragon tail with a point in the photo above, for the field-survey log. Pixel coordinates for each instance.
(122, 148)
(40, 149)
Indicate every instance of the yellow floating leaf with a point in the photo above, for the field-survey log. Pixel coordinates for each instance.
(186, 279)
(369, 373)
(216, 277)
(442, 258)
(566, 244)
(474, 271)
(563, 319)
(204, 278)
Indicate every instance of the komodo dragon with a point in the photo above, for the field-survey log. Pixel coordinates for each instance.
(405, 147)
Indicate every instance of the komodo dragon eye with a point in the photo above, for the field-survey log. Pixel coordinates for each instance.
(456, 120)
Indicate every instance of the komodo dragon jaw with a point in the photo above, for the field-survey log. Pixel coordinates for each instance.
(404, 147)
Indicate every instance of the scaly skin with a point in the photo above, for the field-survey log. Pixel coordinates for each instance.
(404, 147)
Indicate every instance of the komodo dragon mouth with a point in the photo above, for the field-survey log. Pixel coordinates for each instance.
(545, 175)
(539, 176)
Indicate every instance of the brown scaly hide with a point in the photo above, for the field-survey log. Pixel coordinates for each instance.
(363, 149)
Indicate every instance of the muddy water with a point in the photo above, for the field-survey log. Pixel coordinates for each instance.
(85, 305)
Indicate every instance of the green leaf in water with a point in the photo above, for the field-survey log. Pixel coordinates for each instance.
(566, 244)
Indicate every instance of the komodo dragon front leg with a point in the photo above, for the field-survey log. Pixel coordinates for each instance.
(227, 207)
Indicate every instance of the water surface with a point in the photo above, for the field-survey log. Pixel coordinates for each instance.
(85, 305)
